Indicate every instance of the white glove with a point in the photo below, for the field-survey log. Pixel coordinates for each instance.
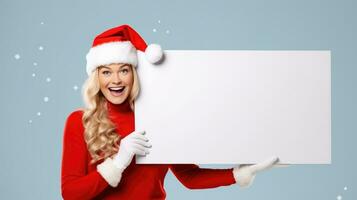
(244, 174)
(134, 143)
(112, 168)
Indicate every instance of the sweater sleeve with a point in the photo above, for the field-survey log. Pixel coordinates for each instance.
(194, 177)
(76, 182)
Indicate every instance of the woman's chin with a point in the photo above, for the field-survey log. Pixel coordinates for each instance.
(117, 100)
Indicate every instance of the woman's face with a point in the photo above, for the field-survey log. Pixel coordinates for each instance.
(116, 81)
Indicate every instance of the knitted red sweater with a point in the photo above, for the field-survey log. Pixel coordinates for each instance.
(81, 180)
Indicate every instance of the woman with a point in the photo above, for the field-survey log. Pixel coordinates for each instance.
(100, 141)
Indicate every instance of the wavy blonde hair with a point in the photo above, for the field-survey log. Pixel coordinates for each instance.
(100, 132)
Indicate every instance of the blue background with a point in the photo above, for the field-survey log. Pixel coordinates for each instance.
(31, 142)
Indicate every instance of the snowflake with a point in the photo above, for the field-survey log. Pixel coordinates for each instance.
(38, 113)
(159, 21)
(167, 31)
(17, 56)
(35, 64)
(33, 74)
(48, 79)
(154, 30)
(75, 87)
(40, 48)
(45, 99)
(30, 121)
(345, 188)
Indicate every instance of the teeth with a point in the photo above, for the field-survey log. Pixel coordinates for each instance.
(116, 88)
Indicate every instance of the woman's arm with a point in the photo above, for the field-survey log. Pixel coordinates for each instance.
(193, 177)
(76, 182)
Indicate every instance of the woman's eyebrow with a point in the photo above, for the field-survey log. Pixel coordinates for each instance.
(104, 67)
(126, 65)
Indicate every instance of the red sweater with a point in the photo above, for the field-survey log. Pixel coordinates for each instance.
(81, 180)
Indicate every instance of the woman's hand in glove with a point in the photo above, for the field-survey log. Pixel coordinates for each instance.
(134, 143)
(245, 174)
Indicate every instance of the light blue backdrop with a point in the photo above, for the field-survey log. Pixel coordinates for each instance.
(43, 48)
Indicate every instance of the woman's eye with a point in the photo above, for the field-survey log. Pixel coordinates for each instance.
(106, 72)
(124, 71)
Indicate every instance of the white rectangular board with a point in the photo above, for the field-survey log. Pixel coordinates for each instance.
(230, 107)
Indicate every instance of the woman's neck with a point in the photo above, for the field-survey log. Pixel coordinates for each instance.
(119, 108)
(122, 116)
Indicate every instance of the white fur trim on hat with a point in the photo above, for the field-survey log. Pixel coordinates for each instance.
(111, 52)
(110, 172)
(153, 53)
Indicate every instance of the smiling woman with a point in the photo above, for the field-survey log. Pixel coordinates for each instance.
(100, 141)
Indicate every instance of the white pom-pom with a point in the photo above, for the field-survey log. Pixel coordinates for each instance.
(153, 53)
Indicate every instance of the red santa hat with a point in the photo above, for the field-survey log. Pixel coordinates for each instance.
(121, 44)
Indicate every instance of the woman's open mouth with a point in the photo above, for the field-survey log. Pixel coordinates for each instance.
(116, 91)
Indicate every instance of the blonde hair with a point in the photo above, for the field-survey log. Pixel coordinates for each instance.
(100, 132)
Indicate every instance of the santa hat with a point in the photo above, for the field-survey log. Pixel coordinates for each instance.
(120, 45)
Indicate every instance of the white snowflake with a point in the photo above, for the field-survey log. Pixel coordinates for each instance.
(42, 23)
(17, 56)
(38, 113)
(35, 64)
(40, 48)
(159, 21)
(339, 197)
(48, 79)
(167, 31)
(345, 188)
(33, 74)
(154, 30)
(45, 99)
(30, 121)
(75, 87)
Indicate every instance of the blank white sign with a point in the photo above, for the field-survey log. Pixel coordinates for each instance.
(230, 107)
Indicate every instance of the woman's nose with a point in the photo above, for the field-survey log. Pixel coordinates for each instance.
(116, 78)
